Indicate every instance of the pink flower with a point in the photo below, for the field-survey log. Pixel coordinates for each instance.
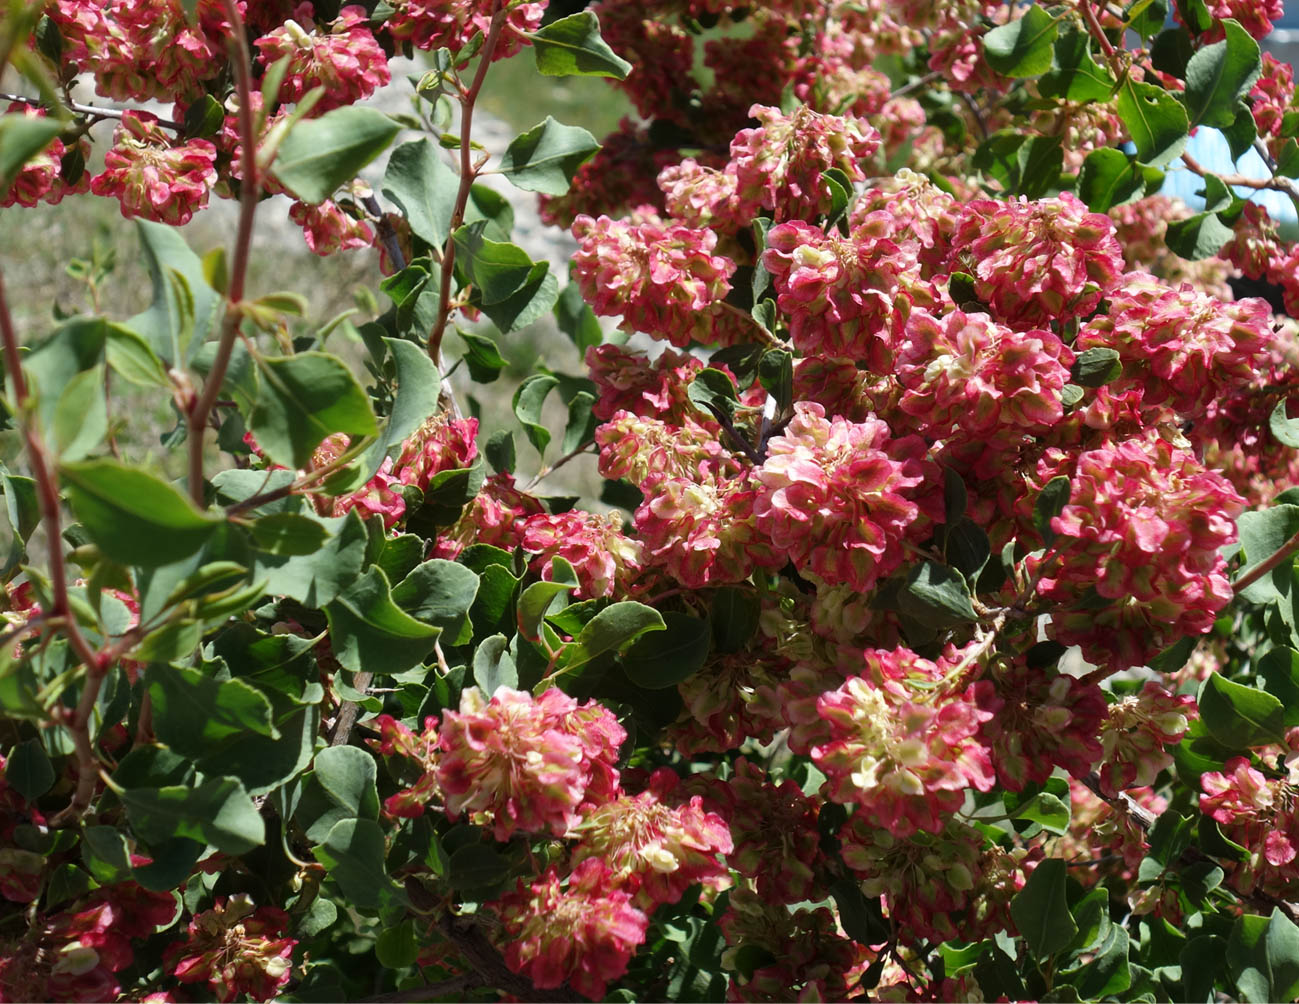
(153, 177)
(1039, 721)
(834, 497)
(328, 229)
(496, 516)
(661, 279)
(41, 177)
(441, 444)
(627, 380)
(779, 165)
(775, 832)
(644, 450)
(141, 49)
(967, 373)
(517, 763)
(1037, 262)
(396, 740)
(655, 844)
(839, 293)
(1143, 529)
(380, 496)
(927, 881)
(729, 701)
(1135, 733)
(1272, 95)
(1255, 16)
(619, 178)
(702, 531)
(906, 765)
(605, 559)
(345, 59)
(583, 932)
(661, 50)
(452, 24)
(235, 949)
(1180, 347)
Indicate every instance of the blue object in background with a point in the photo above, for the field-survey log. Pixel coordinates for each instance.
(1209, 147)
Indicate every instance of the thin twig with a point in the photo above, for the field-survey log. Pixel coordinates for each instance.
(94, 111)
(1232, 180)
(1286, 550)
(347, 712)
(467, 175)
(454, 987)
(202, 405)
(915, 85)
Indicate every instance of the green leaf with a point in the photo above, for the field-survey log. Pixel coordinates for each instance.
(500, 452)
(862, 918)
(1041, 910)
(481, 356)
(288, 534)
(1284, 428)
(1047, 810)
(937, 594)
(493, 665)
(1247, 959)
(1110, 178)
(526, 304)
(316, 579)
(528, 401)
(217, 812)
(1040, 161)
(303, 399)
(1239, 717)
(572, 46)
(348, 776)
(576, 318)
(537, 598)
(734, 618)
(194, 712)
(1279, 671)
(1155, 120)
(353, 854)
(1107, 974)
(132, 358)
(1096, 367)
(582, 422)
(134, 517)
(1050, 503)
(617, 626)
(1201, 962)
(713, 391)
(1281, 947)
(1287, 161)
(22, 138)
(163, 324)
(370, 632)
(1022, 48)
(420, 183)
(81, 415)
(397, 947)
(545, 158)
(476, 866)
(1263, 532)
(665, 658)
(776, 373)
(1242, 133)
(28, 769)
(497, 269)
(322, 153)
(1074, 74)
(1200, 236)
(440, 593)
(1219, 75)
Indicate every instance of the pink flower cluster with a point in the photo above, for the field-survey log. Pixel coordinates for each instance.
(905, 763)
(1037, 262)
(154, 177)
(835, 497)
(1143, 529)
(344, 58)
(1256, 812)
(663, 279)
(525, 765)
(420, 752)
(235, 949)
(453, 24)
(42, 177)
(1180, 348)
(1136, 732)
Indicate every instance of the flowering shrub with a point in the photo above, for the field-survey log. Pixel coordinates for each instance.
(925, 628)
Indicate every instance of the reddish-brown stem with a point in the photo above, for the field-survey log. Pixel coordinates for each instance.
(47, 491)
(1097, 31)
(1275, 184)
(467, 175)
(1286, 550)
(202, 405)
